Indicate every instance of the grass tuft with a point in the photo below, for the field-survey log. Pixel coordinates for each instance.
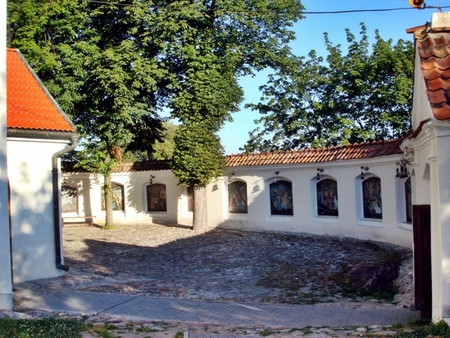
(45, 328)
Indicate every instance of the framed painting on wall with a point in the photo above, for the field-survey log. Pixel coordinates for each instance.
(372, 198)
(281, 202)
(327, 198)
(156, 197)
(237, 197)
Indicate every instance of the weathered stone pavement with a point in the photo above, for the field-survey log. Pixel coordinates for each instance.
(220, 277)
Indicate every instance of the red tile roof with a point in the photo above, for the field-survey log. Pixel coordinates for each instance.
(69, 167)
(433, 47)
(29, 105)
(348, 152)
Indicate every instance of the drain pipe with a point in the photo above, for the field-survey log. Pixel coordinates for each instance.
(56, 202)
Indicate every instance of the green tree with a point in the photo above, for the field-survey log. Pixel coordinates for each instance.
(212, 44)
(163, 150)
(99, 62)
(362, 96)
(110, 64)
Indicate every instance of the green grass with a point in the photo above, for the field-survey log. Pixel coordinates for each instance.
(421, 329)
(42, 328)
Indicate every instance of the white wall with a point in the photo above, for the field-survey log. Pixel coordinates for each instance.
(350, 222)
(432, 186)
(134, 184)
(30, 176)
(443, 212)
(5, 253)
(392, 228)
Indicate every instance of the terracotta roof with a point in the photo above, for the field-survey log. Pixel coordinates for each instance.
(29, 105)
(69, 167)
(348, 152)
(433, 46)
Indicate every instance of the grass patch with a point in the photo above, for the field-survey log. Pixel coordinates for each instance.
(45, 328)
(419, 329)
(108, 227)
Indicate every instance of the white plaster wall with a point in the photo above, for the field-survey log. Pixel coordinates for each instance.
(30, 176)
(350, 223)
(393, 228)
(134, 184)
(432, 186)
(440, 211)
(5, 250)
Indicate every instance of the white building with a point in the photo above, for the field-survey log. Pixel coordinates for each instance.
(430, 145)
(38, 133)
(5, 248)
(347, 191)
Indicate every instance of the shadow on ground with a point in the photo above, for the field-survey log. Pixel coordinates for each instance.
(228, 265)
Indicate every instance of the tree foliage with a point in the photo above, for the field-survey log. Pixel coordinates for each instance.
(98, 61)
(360, 96)
(111, 64)
(163, 150)
(213, 43)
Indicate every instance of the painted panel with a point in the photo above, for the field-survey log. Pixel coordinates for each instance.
(281, 202)
(156, 197)
(372, 198)
(69, 196)
(408, 200)
(190, 198)
(117, 197)
(327, 198)
(237, 197)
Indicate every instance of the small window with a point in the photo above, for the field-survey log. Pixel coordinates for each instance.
(372, 198)
(327, 198)
(69, 196)
(156, 197)
(117, 197)
(408, 200)
(237, 197)
(281, 202)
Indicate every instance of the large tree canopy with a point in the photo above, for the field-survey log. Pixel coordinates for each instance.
(99, 62)
(210, 45)
(363, 95)
(114, 65)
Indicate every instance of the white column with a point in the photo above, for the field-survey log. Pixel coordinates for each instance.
(442, 212)
(436, 241)
(5, 249)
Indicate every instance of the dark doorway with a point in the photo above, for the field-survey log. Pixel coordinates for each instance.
(422, 259)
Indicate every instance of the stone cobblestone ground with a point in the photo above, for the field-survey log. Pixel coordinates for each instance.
(220, 265)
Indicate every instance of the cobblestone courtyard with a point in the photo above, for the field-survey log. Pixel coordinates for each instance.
(220, 265)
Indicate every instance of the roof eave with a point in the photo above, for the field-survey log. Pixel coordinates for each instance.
(40, 134)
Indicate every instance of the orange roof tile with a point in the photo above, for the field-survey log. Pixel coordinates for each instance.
(348, 152)
(29, 105)
(433, 47)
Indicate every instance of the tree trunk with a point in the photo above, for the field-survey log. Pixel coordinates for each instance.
(109, 223)
(200, 216)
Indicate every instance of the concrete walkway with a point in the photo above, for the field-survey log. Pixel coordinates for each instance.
(191, 311)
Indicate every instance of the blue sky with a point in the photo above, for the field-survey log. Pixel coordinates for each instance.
(309, 32)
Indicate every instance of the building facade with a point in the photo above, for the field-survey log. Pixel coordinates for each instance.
(351, 191)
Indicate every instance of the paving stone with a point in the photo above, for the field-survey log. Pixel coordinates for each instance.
(218, 265)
